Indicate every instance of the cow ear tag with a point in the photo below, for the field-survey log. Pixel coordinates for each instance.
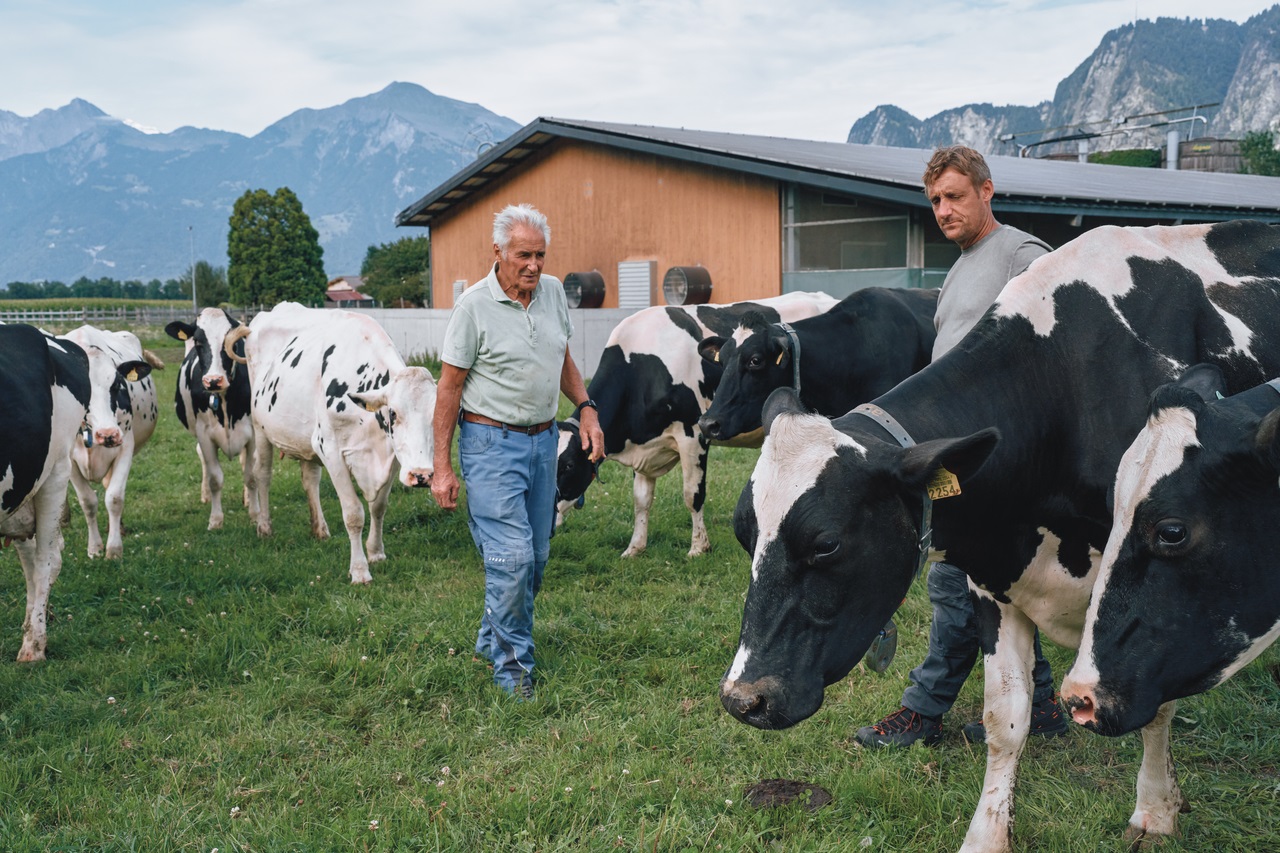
(780, 355)
(717, 356)
(369, 407)
(182, 336)
(944, 484)
(132, 376)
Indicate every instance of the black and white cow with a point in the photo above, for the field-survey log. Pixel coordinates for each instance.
(212, 401)
(1017, 432)
(1187, 592)
(652, 386)
(869, 342)
(329, 389)
(44, 398)
(122, 417)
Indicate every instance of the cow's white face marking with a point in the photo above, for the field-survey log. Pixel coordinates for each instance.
(1156, 452)
(796, 450)
(1031, 295)
(741, 334)
(739, 664)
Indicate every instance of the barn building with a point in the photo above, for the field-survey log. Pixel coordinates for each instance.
(649, 216)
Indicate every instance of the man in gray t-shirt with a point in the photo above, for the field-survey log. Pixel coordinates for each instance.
(958, 184)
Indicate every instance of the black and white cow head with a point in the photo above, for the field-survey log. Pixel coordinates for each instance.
(574, 468)
(755, 360)
(217, 363)
(1187, 593)
(831, 520)
(404, 407)
(111, 369)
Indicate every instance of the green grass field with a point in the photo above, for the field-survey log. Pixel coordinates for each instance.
(218, 691)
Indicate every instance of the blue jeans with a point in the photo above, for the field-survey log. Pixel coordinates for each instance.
(953, 648)
(511, 497)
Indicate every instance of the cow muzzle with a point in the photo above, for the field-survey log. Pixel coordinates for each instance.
(417, 478)
(710, 427)
(214, 382)
(752, 702)
(108, 437)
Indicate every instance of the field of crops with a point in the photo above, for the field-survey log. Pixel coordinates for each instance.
(214, 690)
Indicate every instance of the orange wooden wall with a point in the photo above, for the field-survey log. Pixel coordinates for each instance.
(607, 205)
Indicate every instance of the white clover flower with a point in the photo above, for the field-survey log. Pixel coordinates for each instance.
(444, 771)
(111, 700)
(728, 802)
(373, 824)
(235, 812)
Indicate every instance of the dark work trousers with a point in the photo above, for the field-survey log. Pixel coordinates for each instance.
(953, 648)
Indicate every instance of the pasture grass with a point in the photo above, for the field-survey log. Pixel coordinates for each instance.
(217, 690)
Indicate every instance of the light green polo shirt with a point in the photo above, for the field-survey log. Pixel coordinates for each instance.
(514, 355)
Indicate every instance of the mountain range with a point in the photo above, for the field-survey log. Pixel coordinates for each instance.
(85, 194)
(1123, 96)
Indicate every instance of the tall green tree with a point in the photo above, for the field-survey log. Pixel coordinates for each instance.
(274, 251)
(211, 284)
(1258, 150)
(399, 270)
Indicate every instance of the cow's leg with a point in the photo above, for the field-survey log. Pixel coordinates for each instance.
(205, 497)
(1007, 718)
(352, 517)
(262, 451)
(115, 482)
(1159, 797)
(377, 515)
(311, 470)
(693, 468)
(41, 558)
(642, 492)
(87, 495)
(249, 473)
(212, 477)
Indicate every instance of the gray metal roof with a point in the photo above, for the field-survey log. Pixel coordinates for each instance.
(890, 174)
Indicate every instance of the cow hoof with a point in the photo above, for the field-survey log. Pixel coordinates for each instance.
(361, 577)
(215, 524)
(264, 530)
(377, 557)
(30, 656)
(115, 553)
(1144, 839)
(632, 552)
(699, 551)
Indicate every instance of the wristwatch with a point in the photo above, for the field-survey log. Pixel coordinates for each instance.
(589, 402)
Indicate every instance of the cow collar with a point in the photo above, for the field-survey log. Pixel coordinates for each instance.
(795, 356)
(890, 425)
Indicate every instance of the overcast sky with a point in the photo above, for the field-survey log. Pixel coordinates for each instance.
(798, 68)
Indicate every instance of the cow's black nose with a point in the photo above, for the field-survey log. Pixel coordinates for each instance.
(710, 427)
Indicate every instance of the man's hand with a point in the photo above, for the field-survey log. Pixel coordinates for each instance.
(591, 434)
(444, 488)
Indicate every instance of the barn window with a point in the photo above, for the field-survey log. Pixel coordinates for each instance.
(831, 232)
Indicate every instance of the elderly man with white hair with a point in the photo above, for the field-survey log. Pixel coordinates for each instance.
(505, 361)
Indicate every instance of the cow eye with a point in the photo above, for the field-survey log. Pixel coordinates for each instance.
(754, 362)
(1171, 534)
(825, 547)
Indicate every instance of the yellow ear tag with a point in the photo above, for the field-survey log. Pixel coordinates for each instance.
(182, 336)
(780, 355)
(943, 485)
(717, 356)
(132, 376)
(369, 407)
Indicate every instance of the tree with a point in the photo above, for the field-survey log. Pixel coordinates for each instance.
(399, 270)
(274, 251)
(211, 284)
(1258, 151)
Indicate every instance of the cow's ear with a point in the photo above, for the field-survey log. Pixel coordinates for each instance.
(1206, 380)
(1267, 441)
(780, 401)
(709, 348)
(963, 457)
(134, 371)
(180, 330)
(370, 401)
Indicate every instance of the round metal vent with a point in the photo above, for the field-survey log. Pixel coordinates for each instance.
(686, 286)
(584, 289)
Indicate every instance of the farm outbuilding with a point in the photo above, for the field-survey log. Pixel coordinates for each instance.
(653, 215)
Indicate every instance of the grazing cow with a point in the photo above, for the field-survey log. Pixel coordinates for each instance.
(869, 342)
(122, 417)
(1186, 594)
(1016, 434)
(44, 398)
(330, 389)
(212, 402)
(652, 386)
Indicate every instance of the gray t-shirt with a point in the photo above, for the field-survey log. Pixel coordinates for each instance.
(977, 278)
(514, 356)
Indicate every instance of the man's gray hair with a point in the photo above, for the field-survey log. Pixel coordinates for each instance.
(505, 221)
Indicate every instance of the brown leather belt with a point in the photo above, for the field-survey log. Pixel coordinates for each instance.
(473, 418)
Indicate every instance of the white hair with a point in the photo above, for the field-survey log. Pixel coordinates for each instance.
(505, 221)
